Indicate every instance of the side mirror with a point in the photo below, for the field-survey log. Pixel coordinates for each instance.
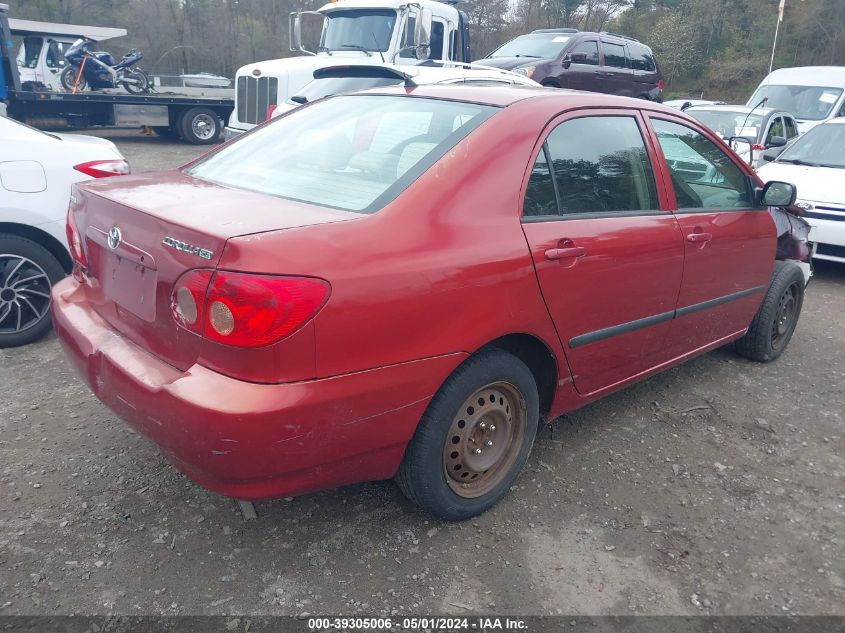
(422, 32)
(578, 58)
(778, 194)
(777, 141)
(295, 30)
(742, 146)
(771, 154)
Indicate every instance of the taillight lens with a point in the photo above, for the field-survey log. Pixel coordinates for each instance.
(103, 168)
(74, 240)
(271, 110)
(660, 85)
(245, 310)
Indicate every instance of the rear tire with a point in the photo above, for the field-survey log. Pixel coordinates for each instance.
(142, 86)
(27, 274)
(200, 126)
(773, 325)
(473, 439)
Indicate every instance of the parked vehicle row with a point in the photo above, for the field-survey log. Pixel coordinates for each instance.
(342, 331)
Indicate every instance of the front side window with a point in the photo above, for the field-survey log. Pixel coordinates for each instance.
(776, 129)
(703, 175)
(435, 44)
(586, 53)
(599, 165)
(355, 153)
(791, 128)
(614, 55)
(358, 29)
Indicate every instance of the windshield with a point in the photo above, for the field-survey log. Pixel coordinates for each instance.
(326, 86)
(727, 123)
(358, 29)
(823, 146)
(810, 103)
(540, 45)
(355, 153)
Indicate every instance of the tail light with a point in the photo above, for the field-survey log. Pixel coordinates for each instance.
(660, 85)
(74, 240)
(758, 147)
(103, 168)
(245, 310)
(271, 110)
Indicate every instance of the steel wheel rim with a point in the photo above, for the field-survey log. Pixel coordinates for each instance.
(203, 126)
(785, 315)
(484, 439)
(24, 294)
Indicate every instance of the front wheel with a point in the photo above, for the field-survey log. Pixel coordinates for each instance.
(68, 78)
(773, 325)
(138, 82)
(27, 273)
(473, 439)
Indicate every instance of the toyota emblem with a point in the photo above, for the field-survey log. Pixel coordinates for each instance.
(114, 237)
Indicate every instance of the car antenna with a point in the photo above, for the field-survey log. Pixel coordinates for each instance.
(763, 101)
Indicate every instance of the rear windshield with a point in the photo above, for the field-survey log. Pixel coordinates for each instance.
(355, 153)
(539, 45)
(810, 103)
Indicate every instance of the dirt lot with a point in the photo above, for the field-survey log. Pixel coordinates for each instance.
(717, 487)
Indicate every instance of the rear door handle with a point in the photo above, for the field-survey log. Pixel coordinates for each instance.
(566, 253)
(697, 238)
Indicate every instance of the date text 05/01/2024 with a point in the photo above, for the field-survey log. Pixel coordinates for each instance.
(480, 624)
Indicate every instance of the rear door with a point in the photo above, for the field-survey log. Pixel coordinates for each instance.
(729, 242)
(608, 259)
(615, 74)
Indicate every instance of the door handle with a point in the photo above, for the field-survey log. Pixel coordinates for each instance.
(565, 253)
(697, 238)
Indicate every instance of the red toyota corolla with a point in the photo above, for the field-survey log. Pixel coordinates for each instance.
(405, 282)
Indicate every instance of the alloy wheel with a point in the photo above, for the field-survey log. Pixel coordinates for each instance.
(24, 294)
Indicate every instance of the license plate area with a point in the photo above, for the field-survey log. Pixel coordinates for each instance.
(130, 285)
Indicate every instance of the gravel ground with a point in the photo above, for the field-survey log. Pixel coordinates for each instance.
(713, 488)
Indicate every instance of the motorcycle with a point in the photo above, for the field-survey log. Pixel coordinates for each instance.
(97, 69)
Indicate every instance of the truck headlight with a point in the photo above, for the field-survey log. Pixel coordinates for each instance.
(526, 70)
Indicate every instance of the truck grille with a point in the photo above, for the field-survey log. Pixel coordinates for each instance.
(255, 95)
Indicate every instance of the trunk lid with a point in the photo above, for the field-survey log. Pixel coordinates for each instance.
(143, 232)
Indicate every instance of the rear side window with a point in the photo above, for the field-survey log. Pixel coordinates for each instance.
(641, 58)
(590, 52)
(599, 165)
(703, 175)
(355, 153)
(614, 55)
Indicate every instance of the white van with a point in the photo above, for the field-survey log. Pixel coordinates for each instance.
(812, 94)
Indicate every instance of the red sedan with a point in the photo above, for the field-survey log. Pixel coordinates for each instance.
(406, 282)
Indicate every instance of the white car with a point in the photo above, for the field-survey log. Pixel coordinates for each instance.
(36, 173)
(815, 164)
(335, 80)
(812, 94)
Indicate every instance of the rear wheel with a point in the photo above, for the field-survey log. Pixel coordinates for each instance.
(473, 439)
(27, 274)
(139, 82)
(773, 325)
(200, 126)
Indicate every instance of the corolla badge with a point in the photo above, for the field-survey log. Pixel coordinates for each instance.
(114, 237)
(179, 245)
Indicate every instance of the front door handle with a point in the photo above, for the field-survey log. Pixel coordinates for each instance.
(697, 238)
(566, 253)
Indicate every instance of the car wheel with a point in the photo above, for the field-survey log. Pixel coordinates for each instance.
(473, 439)
(200, 126)
(775, 321)
(27, 273)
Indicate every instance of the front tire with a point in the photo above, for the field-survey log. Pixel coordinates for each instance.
(27, 274)
(68, 78)
(773, 325)
(473, 439)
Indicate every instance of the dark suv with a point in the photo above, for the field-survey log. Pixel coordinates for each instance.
(568, 58)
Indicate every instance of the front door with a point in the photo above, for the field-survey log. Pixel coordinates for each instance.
(584, 64)
(729, 242)
(608, 259)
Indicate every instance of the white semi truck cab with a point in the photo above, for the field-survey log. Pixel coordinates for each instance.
(357, 32)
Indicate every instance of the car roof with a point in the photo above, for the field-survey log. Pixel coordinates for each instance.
(506, 95)
(833, 76)
(734, 108)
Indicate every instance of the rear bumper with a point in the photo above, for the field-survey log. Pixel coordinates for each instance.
(247, 440)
